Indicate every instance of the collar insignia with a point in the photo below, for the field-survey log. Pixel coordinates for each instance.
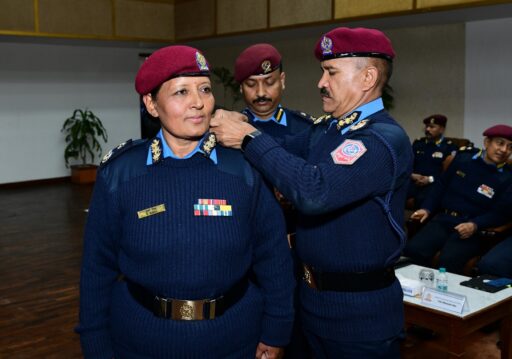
(326, 46)
(348, 120)
(201, 62)
(322, 119)
(266, 66)
(209, 144)
(358, 125)
(156, 150)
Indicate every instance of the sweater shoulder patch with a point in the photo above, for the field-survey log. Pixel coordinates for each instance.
(120, 149)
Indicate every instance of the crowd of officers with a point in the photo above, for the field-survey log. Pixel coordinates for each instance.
(185, 252)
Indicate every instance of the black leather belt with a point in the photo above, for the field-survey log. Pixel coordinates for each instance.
(180, 309)
(349, 282)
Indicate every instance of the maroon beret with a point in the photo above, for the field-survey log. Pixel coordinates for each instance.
(358, 42)
(436, 120)
(259, 59)
(499, 131)
(167, 63)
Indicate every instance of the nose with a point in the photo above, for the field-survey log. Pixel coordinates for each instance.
(323, 81)
(260, 90)
(197, 100)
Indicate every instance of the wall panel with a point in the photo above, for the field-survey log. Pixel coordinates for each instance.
(139, 19)
(86, 17)
(291, 12)
(194, 18)
(237, 16)
(436, 3)
(357, 8)
(17, 15)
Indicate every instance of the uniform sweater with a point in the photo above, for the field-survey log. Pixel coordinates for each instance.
(177, 254)
(429, 156)
(342, 226)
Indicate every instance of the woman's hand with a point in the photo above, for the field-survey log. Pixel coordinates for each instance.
(264, 351)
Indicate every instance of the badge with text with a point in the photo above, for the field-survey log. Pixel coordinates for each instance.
(447, 301)
(212, 207)
(151, 211)
(348, 152)
(437, 155)
(486, 191)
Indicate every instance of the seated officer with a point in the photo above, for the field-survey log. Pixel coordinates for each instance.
(430, 152)
(463, 198)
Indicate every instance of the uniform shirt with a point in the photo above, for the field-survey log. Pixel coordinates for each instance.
(471, 187)
(430, 155)
(343, 225)
(188, 229)
(282, 123)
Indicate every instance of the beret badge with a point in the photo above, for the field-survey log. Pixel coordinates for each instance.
(326, 46)
(266, 66)
(201, 62)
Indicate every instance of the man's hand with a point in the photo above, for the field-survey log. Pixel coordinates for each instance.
(264, 351)
(230, 128)
(420, 180)
(466, 229)
(421, 215)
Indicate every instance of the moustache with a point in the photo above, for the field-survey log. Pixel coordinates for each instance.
(324, 92)
(261, 99)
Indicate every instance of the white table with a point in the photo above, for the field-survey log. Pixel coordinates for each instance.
(484, 309)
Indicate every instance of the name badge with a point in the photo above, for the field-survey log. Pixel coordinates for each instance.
(449, 301)
(486, 191)
(151, 211)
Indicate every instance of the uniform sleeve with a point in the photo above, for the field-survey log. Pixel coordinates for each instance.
(435, 197)
(98, 274)
(272, 265)
(499, 215)
(324, 186)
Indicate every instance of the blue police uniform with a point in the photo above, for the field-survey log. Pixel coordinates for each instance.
(348, 180)
(186, 228)
(466, 192)
(282, 123)
(428, 161)
(498, 261)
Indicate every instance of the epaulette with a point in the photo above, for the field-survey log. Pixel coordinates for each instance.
(449, 142)
(121, 148)
(322, 119)
(307, 117)
(466, 149)
(359, 125)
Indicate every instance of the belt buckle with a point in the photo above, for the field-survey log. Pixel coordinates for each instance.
(308, 277)
(187, 309)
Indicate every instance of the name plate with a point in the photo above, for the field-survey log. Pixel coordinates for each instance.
(452, 302)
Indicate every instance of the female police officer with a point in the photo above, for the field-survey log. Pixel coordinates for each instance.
(183, 222)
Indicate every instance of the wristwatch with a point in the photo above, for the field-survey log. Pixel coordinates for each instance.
(430, 179)
(248, 138)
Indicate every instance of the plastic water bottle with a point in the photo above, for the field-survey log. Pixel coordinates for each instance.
(442, 280)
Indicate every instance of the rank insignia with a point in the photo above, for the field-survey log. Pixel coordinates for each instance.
(212, 207)
(156, 150)
(266, 66)
(279, 115)
(348, 120)
(209, 144)
(437, 154)
(151, 211)
(112, 151)
(357, 126)
(326, 46)
(322, 119)
(348, 152)
(201, 62)
(486, 191)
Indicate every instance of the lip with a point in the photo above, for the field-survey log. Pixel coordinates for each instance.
(196, 119)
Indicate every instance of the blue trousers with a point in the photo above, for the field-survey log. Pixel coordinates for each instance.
(498, 261)
(323, 348)
(439, 235)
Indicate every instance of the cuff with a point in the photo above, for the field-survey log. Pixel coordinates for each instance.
(276, 332)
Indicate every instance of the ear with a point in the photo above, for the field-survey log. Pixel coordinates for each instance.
(487, 141)
(282, 78)
(370, 78)
(241, 91)
(150, 104)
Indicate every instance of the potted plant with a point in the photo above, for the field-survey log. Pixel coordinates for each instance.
(83, 131)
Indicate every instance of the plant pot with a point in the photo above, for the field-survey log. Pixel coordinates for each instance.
(83, 174)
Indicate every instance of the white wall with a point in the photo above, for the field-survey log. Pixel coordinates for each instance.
(488, 76)
(40, 86)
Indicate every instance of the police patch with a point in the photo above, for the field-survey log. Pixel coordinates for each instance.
(348, 152)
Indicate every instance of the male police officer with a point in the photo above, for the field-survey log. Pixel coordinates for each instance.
(462, 199)
(348, 179)
(259, 71)
(430, 154)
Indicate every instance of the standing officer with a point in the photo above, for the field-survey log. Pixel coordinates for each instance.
(348, 179)
(462, 200)
(259, 71)
(430, 153)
